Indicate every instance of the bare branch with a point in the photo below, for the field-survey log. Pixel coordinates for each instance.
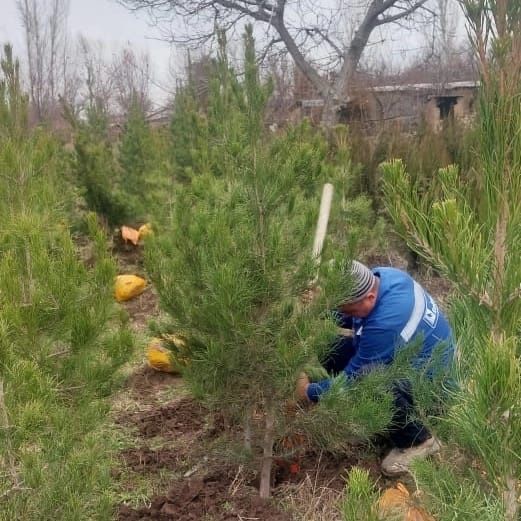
(326, 38)
(400, 15)
(301, 27)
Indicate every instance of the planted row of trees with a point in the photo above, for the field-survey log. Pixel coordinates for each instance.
(468, 225)
(231, 257)
(61, 339)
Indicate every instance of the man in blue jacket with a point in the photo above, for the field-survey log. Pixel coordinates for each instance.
(385, 310)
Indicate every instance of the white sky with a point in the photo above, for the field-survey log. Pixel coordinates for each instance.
(115, 26)
(103, 20)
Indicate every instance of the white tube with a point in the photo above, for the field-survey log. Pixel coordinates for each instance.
(323, 219)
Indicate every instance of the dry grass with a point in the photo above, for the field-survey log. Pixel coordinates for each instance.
(311, 499)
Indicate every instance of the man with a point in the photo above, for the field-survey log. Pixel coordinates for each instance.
(385, 310)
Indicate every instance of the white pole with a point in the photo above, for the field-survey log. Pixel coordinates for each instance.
(323, 219)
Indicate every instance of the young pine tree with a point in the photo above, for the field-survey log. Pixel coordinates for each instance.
(137, 158)
(13, 102)
(471, 232)
(61, 342)
(235, 258)
(95, 166)
(189, 134)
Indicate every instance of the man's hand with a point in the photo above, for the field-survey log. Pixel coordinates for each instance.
(302, 387)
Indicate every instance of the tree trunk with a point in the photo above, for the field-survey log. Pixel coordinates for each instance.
(510, 498)
(339, 91)
(267, 456)
(330, 113)
(247, 430)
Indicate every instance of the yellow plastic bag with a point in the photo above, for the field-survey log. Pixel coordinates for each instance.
(393, 500)
(169, 360)
(144, 230)
(128, 287)
(158, 357)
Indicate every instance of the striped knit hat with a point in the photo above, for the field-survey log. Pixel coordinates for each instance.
(363, 280)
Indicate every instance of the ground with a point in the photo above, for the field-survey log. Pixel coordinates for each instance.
(171, 464)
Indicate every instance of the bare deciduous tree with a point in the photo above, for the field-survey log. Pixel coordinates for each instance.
(97, 80)
(308, 31)
(45, 27)
(131, 75)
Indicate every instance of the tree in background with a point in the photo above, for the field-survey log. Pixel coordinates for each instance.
(95, 166)
(189, 132)
(469, 227)
(301, 30)
(230, 266)
(13, 102)
(131, 77)
(46, 40)
(147, 173)
(136, 159)
(98, 82)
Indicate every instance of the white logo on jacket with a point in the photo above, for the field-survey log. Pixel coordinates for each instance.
(432, 312)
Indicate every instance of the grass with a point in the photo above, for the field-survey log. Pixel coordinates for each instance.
(309, 501)
(136, 489)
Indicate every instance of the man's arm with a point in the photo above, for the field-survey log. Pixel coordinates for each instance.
(376, 347)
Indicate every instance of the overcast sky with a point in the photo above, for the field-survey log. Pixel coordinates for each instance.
(103, 20)
(115, 26)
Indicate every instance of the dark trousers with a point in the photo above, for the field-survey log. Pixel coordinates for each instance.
(405, 430)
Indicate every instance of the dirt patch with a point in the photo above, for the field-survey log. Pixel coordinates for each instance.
(184, 416)
(145, 460)
(327, 470)
(142, 308)
(224, 494)
(147, 382)
(128, 256)
(212, 496)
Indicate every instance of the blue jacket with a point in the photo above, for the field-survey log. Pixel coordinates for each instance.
(403, 312)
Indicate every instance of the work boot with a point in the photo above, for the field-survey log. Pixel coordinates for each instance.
(398, 460)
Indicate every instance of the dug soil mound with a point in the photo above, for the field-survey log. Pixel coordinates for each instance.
(180, 417)
(212, 496)
(145, 460)
(200, 484)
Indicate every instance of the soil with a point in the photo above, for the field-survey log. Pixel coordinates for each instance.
(205, 487)
(145, 460)
(146, 382)
(211, 496)
(175, 419)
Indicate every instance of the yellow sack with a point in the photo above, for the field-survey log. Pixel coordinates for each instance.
(128, 286)
(169, 360)
(144, 230)
(158, 357)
